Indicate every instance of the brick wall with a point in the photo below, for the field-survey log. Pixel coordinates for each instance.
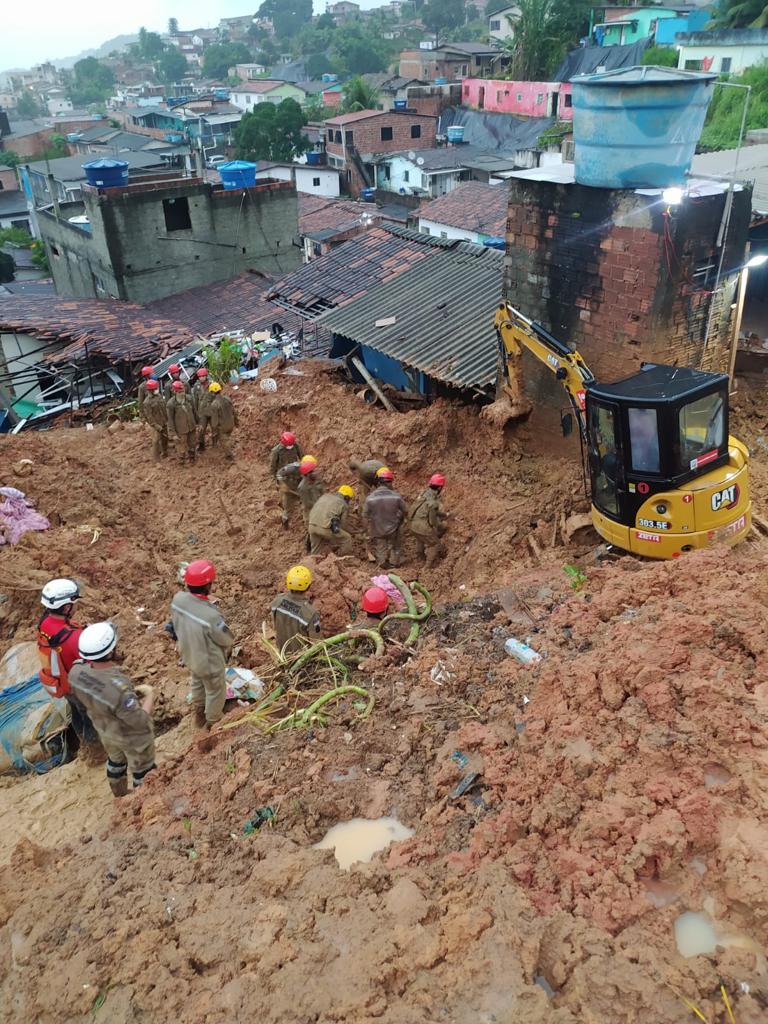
(609, 272)
(364, 136)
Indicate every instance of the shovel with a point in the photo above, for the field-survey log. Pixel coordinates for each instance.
(232, 528)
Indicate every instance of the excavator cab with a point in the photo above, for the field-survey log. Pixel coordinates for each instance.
(665, 475)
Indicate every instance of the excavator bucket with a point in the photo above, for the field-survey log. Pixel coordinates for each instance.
(511, 402)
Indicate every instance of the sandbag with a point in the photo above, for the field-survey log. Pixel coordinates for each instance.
(33, 728)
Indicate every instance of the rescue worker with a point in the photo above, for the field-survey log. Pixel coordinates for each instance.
(293, 614)
(204, 642)
(288, 480)
(366, 473)
(57, 648)
(328, 521)
(223, 418)
(384, 512)
(182, 423)
(427, 521)
(201, 401)
(156, 415)
(374, 603)
(120, 711)
(285, 451)
(175, 375)
(311, 487)
(141, 394)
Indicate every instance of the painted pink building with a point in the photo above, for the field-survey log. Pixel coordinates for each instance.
(531, 99)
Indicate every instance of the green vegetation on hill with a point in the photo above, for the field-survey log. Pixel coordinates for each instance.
(721, 129)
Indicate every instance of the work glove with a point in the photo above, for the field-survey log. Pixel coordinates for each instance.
(168, 628)
(335, 526)
(144, 690)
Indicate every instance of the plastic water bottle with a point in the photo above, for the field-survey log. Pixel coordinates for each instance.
(521, 652)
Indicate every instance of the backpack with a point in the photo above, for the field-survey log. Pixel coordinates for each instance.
(53, 675)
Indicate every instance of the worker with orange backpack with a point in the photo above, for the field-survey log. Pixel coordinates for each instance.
(57, 647)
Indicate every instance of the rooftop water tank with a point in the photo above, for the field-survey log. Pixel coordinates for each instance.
(313, 159)
(440, 81)
(495, 242)
(237, 174)
(401, 104)
(368, 195)
(106, 173)
(174, 137)
(638, 127)
(455, 133)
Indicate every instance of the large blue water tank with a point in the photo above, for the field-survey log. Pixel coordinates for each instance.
(455, 133)
(313, 158)
(106, 173)
(237, 174)
(638, 127)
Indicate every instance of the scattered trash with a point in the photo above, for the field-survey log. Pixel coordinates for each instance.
(23, 467)
(291, 371)
(268, 384)
(466, 784)
(520, 726)
(541, 981)
(18, 516)
(242, 684)
(181, 570)
(261, 816)
(461, 759)
(95, 531)
(440, 673)
(525, 700)
(389, 588)
(522, 652)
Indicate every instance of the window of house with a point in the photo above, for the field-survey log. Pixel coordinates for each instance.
(387, 172)
(330, 134)
(22, 225)
(464, 70)
(2, 186)
(443, 234)
(539, 97)
(693, 65)
(568, 100)
(498, 95)
(337, 138)
(415, 131)
(725, 65)
(519, 97)
(349, 138)
(386, 134)
(406, 175)
(176, 213)
(495, 24)
(315, 183)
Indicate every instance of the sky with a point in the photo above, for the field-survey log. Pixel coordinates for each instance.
(51, 29)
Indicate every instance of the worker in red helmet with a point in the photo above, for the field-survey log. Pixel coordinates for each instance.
(200, 403)
(286, 450)
(182, 422)
(427, 521)
(384, 512)
(174, 374)
(374, 604)
(156, 415)
(141, 393)
(204, 642)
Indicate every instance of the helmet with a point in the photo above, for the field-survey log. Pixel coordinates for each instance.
(298, 578)
(57, 593)
(305, 468)
(346, 491)
(202, 372)
(375, 601)
(174, 368)
(385, 473)
(199, 573)
(177, 386)
(309, 458)
(437, 480)
(288, 439)
(152, 384)
(97, 641)
(146, 371)
(214, 388)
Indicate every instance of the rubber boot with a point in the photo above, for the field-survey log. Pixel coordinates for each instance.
(119, 786)
(199, 718)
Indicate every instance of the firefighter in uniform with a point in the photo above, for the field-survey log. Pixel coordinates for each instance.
(328, 521)
(142, 392)
(155, 413)
(223, 417)
(182, 422)
(428, 521)
(201, 402)
(288, 480)
(175, 375)
(293, 615)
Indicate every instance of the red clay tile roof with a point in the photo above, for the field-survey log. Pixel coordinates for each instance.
(227, 306)
(319, 213)
(114, 331)
(471, 206)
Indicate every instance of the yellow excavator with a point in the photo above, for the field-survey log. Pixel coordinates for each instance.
(665, 475)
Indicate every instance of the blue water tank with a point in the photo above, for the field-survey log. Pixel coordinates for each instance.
(330, 78)
(174, 137)
(455, 133)
(494, 242)
(638, 127)
(313, 159)
(237, 174)
(106, 173)
(440, 81)
(401, 104)
(368, 194)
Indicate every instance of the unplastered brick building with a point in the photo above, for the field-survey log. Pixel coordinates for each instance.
(353, 141)
(623, 276)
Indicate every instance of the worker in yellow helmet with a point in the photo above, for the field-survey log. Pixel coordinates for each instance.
(293, 614)
(223, 418)
(328, 522)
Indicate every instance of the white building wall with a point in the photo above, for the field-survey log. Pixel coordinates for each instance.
(504, 29)
(447, 231)
(58, 106)
(741, 57)
(317, 181)
(21, 351)
(403, 174)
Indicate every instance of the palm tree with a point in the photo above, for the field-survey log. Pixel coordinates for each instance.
(741, 14)
(358, 95)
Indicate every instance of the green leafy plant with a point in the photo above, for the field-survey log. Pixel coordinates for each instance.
(575, 575)
(222, 361)
(660, 56)
(40, 256)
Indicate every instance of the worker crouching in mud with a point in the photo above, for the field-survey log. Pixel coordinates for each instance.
(293, 614)
(328, 523)
(120, 712)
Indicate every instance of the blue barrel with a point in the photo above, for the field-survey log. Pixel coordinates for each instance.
(440, 81)
(401, 104)
(368, 195)
(495, 242)
(455, 133)
(638, 127)
(174, 137)
(237, 174)
(106, 173)
(313, 159)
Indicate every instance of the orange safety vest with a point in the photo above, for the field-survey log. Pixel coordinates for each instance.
(53, 676)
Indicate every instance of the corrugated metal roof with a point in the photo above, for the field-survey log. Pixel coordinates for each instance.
(443, 309)
(752, 166)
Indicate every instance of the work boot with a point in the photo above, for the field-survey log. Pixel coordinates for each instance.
(119, 786)
(284, 522)
(199, 718)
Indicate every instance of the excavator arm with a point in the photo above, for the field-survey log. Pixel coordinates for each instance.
(517, 332)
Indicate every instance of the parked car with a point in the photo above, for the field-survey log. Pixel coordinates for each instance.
(215, 161)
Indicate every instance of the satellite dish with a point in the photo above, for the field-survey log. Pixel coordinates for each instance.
(420, 161)
(411, 155)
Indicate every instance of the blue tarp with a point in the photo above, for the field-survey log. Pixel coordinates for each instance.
(16, 704)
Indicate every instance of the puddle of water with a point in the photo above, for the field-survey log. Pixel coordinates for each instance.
(660, 894)
(716, 775)
(356, 841)
(697, 934)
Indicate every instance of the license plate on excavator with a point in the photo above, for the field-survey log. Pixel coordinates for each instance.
(726, 532)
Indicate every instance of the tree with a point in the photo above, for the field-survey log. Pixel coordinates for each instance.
(358, 95)
(173, 26)
(172, 66)
(740, 14)
(9, 159)
(358, 51)
(271, 132)
(660, 56)
(287, 16)
(440, 15)
(7, 267)
(219, 57)
(27, 105)
(92, 83)
(150, 45)
(723, 123)
(317, 65)
(544, 31)
(325, 20)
